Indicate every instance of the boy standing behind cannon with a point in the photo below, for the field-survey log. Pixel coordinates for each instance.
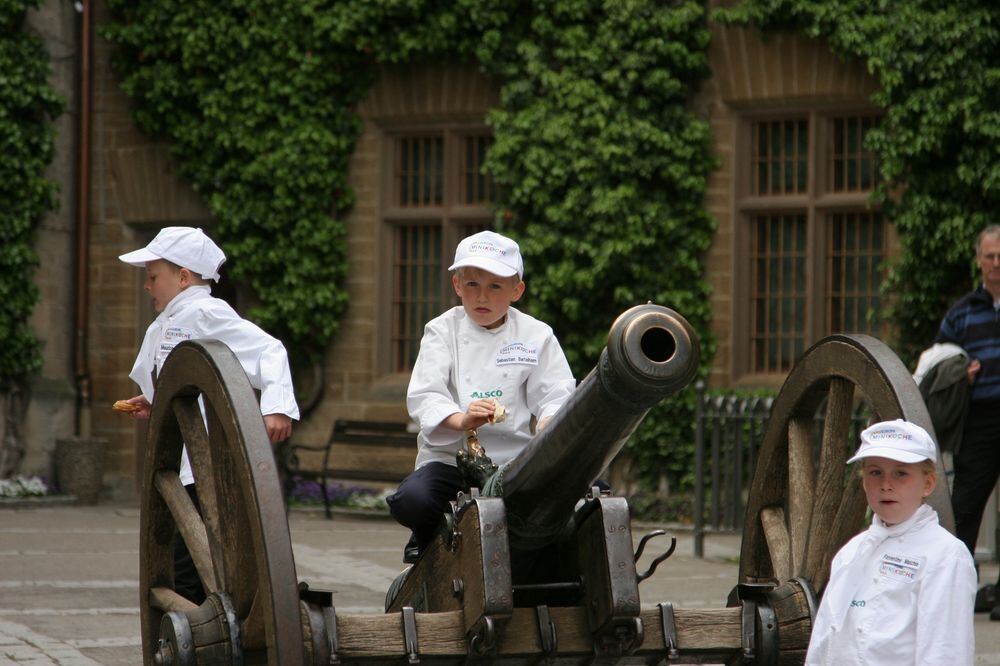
(472, 359)
(181, 263)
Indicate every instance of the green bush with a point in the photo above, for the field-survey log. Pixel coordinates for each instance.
(27, 107)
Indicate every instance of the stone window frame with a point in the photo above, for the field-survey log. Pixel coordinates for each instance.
(419, 233)
(813, 206)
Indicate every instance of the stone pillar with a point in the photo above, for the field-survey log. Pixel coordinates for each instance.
(79, 466)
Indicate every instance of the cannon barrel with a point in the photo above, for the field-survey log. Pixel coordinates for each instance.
(652, 352)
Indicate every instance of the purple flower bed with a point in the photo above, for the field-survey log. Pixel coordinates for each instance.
(307, 492)
(25, 486)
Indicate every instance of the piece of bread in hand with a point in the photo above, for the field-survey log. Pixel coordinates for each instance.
(125, 406)
(499, 412)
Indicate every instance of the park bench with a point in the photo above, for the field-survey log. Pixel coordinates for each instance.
(368, 451)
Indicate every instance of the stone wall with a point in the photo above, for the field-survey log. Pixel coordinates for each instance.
(51, 411)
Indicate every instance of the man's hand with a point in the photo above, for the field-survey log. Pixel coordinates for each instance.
(279, 427)
(973, 369)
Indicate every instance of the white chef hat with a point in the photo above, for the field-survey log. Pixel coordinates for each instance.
(491, 252)
(187, 247)
(897, 440)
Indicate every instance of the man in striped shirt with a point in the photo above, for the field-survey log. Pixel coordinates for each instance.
(973, 323)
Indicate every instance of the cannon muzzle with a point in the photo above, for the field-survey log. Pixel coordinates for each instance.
(652, 352)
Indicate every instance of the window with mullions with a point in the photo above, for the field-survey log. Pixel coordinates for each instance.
(814, 248)
(416, 281)
(778, 274)
(477, 187)
(419, 171)
(851, 167)
(438, 195)
(780, 154)
(855, 251)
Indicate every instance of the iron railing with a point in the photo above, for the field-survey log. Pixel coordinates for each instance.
(729, 430)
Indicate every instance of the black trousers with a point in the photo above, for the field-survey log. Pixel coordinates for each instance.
(423, 497)
(977, 467)
(187, 582)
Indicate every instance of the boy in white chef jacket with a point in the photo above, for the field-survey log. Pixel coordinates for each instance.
(901, 592)
(181, 263)
(473, 354)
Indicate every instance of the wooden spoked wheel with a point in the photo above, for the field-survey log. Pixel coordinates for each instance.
(240, 543)
(801, 510)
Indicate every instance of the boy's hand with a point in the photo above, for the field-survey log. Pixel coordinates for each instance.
(279, 427)
(138, 408)
(479, 413)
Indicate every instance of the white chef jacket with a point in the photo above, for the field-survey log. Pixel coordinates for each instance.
(520, 363)
(195, 314)
(933, 355)
(898, 595)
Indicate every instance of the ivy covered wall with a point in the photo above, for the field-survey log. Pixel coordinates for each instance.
(938, 145)
(28, 106)
(602, 164)
(600, 161)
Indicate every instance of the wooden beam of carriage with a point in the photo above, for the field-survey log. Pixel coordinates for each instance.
(702, 635)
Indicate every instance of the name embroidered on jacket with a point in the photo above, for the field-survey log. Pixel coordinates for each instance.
(517, 353)
(479, 395)
(900, 567)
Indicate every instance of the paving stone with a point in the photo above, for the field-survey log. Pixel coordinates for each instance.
(69, 595)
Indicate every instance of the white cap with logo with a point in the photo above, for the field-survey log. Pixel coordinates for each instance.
(491, 252)
(187, 247)
(897, 440)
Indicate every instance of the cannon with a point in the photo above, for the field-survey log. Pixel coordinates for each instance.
(528, 532)
(536, 565)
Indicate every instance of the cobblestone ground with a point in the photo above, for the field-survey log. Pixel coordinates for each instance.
(68, 592)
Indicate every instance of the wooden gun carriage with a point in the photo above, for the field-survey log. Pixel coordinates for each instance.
(536, 565)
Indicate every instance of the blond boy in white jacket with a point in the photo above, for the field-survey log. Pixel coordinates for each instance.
(472, 358)
(181, 263)
(901, 592)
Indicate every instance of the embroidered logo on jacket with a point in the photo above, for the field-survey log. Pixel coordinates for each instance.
(173, 336)
(517, 353)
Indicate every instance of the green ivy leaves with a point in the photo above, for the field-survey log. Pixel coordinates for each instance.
(27, 107)
(603, 168)
(601, 163)
(255, 100)
(939, 143)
